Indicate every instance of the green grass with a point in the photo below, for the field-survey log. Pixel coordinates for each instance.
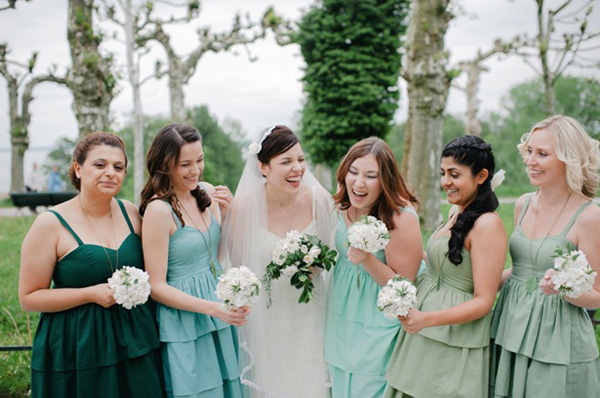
(17, 327)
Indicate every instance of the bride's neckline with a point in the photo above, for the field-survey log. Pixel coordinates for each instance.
(283, 237)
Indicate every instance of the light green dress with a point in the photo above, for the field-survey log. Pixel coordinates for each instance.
(449, 361)
(358, 338)
(542, 346)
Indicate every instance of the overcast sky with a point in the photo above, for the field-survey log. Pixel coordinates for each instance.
(261, 93)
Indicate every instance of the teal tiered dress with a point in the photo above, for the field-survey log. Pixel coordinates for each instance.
(200, 353)
(358, 338)
(449, 361)
(542, 346)
(90, 351)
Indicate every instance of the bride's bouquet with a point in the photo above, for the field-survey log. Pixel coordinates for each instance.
(130, 286)
(295, 257)
(573, 276)
(368, 234)
(238, 287)
(397, 297)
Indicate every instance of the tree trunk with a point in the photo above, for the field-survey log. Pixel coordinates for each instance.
(138, 120)
(428, 86)
(176, 82)
(323, 174)
(90, 79)
(472, 123)
(544, 42)
(18, 138)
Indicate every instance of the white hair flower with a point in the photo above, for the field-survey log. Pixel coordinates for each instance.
(497, 179)
(254, 148)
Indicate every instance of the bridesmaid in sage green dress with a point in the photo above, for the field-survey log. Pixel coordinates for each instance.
(544, 346)
(358, 338)
(181, 234)
(85, 345)
(443, 347)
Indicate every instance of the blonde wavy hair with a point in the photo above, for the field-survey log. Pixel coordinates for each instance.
(575, 148)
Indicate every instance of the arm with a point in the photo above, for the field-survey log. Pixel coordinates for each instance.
(38, 258)
(488, 252)
(403, 253)
(588, 242)
(155, 240)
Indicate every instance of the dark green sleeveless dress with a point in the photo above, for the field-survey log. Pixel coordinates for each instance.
(91, 351)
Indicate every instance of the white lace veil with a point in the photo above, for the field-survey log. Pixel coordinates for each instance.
(242, 230)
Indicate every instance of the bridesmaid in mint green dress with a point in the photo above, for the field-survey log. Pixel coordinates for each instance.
(181, 234)
(443, 347)
(544, 346)
(358, 338)
(86, 345)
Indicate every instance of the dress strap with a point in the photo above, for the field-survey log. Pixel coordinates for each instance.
(67, 226)
(574, 218)
(410, 210)
(124, 211)
(177, 222)
(524, 209)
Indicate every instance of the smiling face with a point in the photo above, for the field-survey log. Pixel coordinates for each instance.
(103, 170)
(285, 171)
(189, 168)
(459, 182)
(363, 183)
(543, 166)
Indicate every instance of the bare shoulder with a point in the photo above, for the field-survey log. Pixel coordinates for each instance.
(46, 222)
(406, 217)
(589, 219)
(488, 223)
(521, 202)
(157, 209)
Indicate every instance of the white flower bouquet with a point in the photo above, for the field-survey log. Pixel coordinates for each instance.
(397, 297)
(130, 286)
(573, 275)
(295, 257)
(368, 234)
(238, 287)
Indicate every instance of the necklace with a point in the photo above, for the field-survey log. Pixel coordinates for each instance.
(110, 263)
(208, 245)
(532, 282)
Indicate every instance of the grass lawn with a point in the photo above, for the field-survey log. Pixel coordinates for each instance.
(17, 327)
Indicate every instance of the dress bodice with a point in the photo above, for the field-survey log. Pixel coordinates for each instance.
(459, 277)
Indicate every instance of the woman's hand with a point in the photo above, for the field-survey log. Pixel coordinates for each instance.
(414, 322)
(235, 317)
(102, 295)
(357, 256)
(546, 284)
(223, 196)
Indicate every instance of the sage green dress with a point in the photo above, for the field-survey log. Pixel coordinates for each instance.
(91, 351)
(543, 346)
(449, 361)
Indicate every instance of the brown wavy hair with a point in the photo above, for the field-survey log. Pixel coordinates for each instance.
(85, 144)
(394, 192)
(161, 161)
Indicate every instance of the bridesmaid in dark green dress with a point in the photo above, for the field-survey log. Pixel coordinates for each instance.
(85, 345)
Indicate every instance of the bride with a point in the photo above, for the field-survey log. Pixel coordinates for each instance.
(283, 344)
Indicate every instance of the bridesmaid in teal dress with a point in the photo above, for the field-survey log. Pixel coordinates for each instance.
(85, 345)
(544, 346)
(181, 234)
(443, 347)
(358, 338)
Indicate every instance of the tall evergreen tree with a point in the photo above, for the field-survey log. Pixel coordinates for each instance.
(352, 54)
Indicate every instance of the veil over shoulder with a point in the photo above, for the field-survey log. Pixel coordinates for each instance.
(281, 343)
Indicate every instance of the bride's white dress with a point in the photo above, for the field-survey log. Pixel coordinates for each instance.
(286, 340)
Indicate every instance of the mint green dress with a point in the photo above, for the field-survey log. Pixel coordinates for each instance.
(449, 361)
(543, 346)
(200, 353)
(358, 338)
(90, 351)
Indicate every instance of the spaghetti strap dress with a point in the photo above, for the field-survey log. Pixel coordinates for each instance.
(358, 338)
(543, 346)
(200, 352)
(91, 351)
(448, 361)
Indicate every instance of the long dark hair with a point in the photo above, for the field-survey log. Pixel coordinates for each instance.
(394, 192)
(161, 161)
(473, 152)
